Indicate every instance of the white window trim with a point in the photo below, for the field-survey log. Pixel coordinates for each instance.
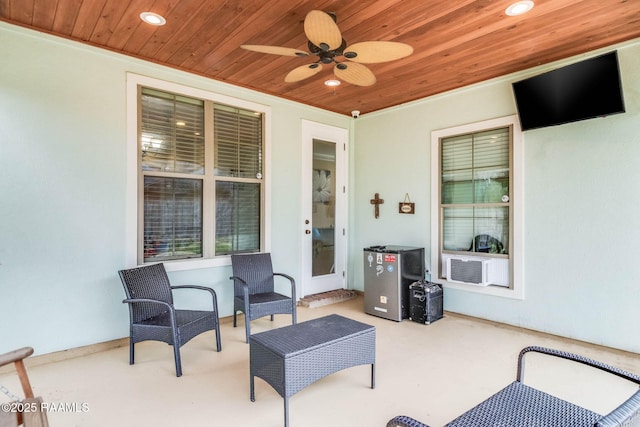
(132, 201)
(517, 182)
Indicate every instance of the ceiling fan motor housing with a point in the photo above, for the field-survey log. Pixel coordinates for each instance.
(326, 56)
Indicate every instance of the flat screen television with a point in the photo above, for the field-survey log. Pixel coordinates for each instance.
(580, 91)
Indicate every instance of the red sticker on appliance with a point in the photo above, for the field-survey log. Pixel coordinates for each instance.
(389, 258)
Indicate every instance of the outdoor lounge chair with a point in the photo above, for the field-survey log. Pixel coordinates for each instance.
(29, 412)
(152, 314)
(254, 290)
(519, 405)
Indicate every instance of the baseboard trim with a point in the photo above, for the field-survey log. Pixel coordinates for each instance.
(71, 353)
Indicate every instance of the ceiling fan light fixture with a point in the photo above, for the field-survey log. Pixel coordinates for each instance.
(153, 18)
(518, 8)
(332, 82)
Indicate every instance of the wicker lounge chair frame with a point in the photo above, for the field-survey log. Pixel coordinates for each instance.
(519, 405)
(254, 290)
(153, 316)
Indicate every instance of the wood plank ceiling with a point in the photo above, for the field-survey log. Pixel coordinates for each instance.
(456, 42)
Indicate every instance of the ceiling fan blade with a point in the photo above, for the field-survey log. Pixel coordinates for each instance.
(322, 31)
(274, 50)
(377, 51)
(354, 73)
(303, 72)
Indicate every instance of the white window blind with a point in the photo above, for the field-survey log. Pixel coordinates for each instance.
(172, 134)
(238, 217)
(172, 218)
(238, 137)
(178, 184)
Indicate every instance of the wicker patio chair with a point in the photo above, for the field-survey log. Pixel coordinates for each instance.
(29, 412)
(254, 290)
(153, 316)
(519, 405)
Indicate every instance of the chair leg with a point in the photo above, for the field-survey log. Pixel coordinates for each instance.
(176, 350)
(176, 356)
(247, 320)
(218, 343)
(247, 327)
(294, 315)
(272, 317)
(235, 315)
(131, 352)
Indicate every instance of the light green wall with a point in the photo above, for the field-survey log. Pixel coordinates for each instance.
(581, 217)
(63, 182)
(62, 189)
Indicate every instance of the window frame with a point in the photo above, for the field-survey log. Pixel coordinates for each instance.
(134, 178)
(516, 255)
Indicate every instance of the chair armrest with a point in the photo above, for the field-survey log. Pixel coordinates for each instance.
(404, 421)
(155, 301)
(15, 355)
(214, 297)
(245, 286)
(625, 414)
(576, 358)
(202, 288)
(291, 281)
(286, 276)
(242, 282)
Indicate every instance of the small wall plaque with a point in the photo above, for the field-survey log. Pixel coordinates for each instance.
(406, 207)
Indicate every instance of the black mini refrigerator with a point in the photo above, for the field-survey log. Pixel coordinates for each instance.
(388, 272)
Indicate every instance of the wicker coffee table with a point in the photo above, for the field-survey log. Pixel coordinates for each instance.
(292, 357)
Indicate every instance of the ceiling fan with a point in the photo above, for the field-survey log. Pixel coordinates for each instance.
(326, 42)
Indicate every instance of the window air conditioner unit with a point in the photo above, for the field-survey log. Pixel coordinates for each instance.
(470, 271)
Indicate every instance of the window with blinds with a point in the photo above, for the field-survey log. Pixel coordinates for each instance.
(238, 170)
(202, 188)
(475, 200)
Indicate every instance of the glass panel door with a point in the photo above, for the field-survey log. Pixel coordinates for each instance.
(323, 197)
(324, 204)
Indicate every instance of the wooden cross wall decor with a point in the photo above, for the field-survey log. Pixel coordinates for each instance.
(377, 201)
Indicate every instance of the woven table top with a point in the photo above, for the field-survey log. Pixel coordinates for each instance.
(291, 340)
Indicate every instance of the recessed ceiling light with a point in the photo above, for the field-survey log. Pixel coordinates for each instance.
(520, 7)
(153, 18)
(332, 82)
